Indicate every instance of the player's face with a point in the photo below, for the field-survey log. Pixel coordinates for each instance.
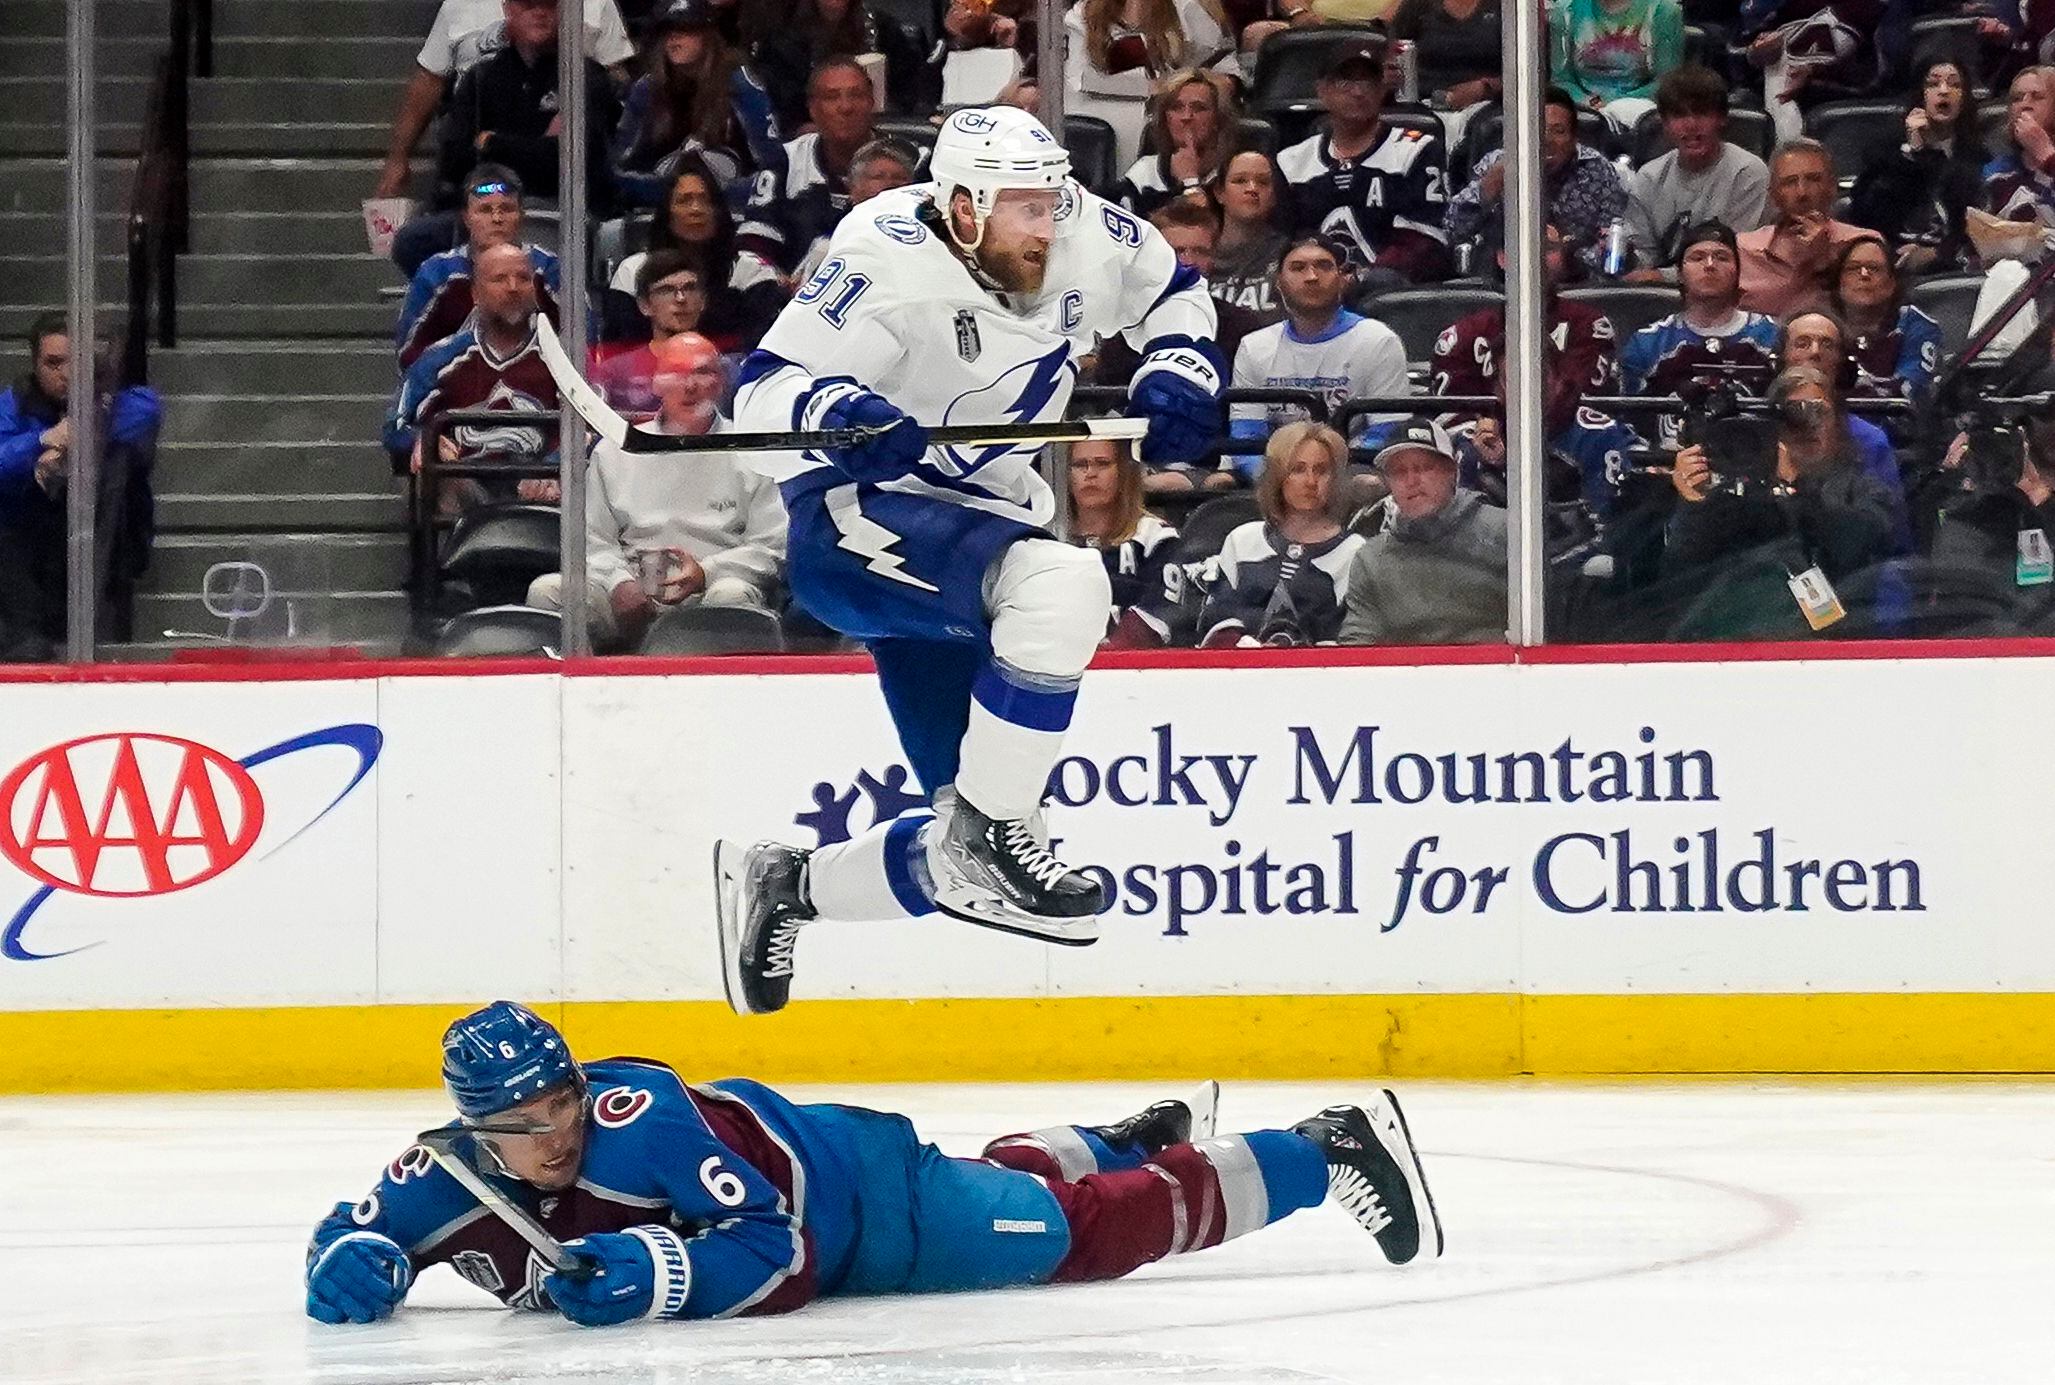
(675, 302)
(1421, 482)
(1813, 340)
(1942, 94)
(1094, 475)
(692, 210)
(494, 219)
(1558, 138)
(1193, 244)
(2032, 96)
(879, 175)
(1018, 233)
(1802, 184)
(1308, 480)
(505, 288)
(840, 103)
(548, 1160)
(1192, 117)
(1309, 281)
(1354, 95)
(1866, 278)
(1710, 274)
(1695, 137)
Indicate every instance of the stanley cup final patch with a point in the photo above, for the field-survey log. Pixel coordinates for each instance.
(967, 343)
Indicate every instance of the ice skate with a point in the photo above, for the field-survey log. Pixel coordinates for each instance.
(1000, 873)
(1374, 1172)
(1166, 1123)
(759, 908)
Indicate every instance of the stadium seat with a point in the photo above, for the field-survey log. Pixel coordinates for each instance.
(1290, 64)
(1207, 527)
(703, 629)
(1419, 315)
(1751, 129)
(1092, 152)
(1856, 133)
(1630, 306)
(1254, 132)
(500, 631)
(1949, 299)
(1992, 119)
(498, 549)
(916, 130)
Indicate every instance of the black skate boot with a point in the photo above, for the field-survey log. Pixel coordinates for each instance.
(760, 906)
(999, 873)
(1165, 1124)
(1374, 1172)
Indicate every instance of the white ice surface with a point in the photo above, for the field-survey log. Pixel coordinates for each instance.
(1744, 1234)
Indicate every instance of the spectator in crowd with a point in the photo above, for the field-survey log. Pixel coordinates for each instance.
(743, 293)
(670, 291)
(666, 528)
(881, 165)
(1609, 55)
(439, 299)
(1774, 557)
(1192, 228)
(36, 465)
(1711, 340)
(2000, 526)
(504, 111)
(2019, 185)
(1785, 263)
(1192, 124)
(493, 363)
(464, 31)
(1118, 48)
(1818, 49)
(1106, 485)
(1436, 572)
(1917, 195)
(1319, 346)
(1585, 195)
(2013, 35)
(1280, 580)
(1702, 178)
(1819, 341)
(1252, 234)
(794, 37)
(990, 24)
(787, 214)
(698, 95)
(1380, 190)
(1460, 45)
(1895, 347)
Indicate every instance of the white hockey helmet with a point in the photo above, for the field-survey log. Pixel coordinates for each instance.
(987, 149)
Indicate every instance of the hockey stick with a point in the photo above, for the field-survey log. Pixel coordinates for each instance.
(441, 1144)
(606, 421)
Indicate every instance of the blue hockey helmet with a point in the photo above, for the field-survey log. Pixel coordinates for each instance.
(495, 1058)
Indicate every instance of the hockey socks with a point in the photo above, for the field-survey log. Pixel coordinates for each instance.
(880, 875)
(1017, 721)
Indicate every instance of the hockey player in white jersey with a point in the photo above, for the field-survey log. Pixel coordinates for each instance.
(967, 299)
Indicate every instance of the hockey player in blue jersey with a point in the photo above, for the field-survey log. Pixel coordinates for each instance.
(965, 300)
(713, 1200)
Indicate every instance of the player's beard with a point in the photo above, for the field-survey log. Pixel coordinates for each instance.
(1016, 271)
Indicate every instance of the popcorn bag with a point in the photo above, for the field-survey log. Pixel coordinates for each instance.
(383, 217)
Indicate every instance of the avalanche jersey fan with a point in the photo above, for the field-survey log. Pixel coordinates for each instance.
(965, 300)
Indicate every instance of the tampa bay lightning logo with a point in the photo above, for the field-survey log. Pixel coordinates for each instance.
(1033, 390)
(832, 817)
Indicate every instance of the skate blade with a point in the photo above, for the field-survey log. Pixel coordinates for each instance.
(730, 859)
(1204, 1105)
(1063, 932)
(1388, 1120)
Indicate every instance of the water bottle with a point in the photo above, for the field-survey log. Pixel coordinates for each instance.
(1616, 248)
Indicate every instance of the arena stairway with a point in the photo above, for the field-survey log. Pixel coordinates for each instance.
(277, 389)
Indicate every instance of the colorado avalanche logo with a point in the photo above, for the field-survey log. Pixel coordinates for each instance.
(504, 437)
(619, 1106)
(415, 1162)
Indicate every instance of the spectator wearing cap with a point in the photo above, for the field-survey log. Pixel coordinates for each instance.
(1609, 55)
(1785, 263)
(464, 31)
(1585, 195)
(787, 213)
(439, 298)
(664, 529)
(1320, 346)
(1711, 340)
(1118, 49)
(1381, 190)
(698, 95)
(1279, 580)
(1702, 178)
(879, 166)
(1436, 572)
(670, 290)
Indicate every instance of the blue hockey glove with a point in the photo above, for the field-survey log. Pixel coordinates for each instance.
(636, 1274)
(842, 403)
(1177, 388)
(358, 1277)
